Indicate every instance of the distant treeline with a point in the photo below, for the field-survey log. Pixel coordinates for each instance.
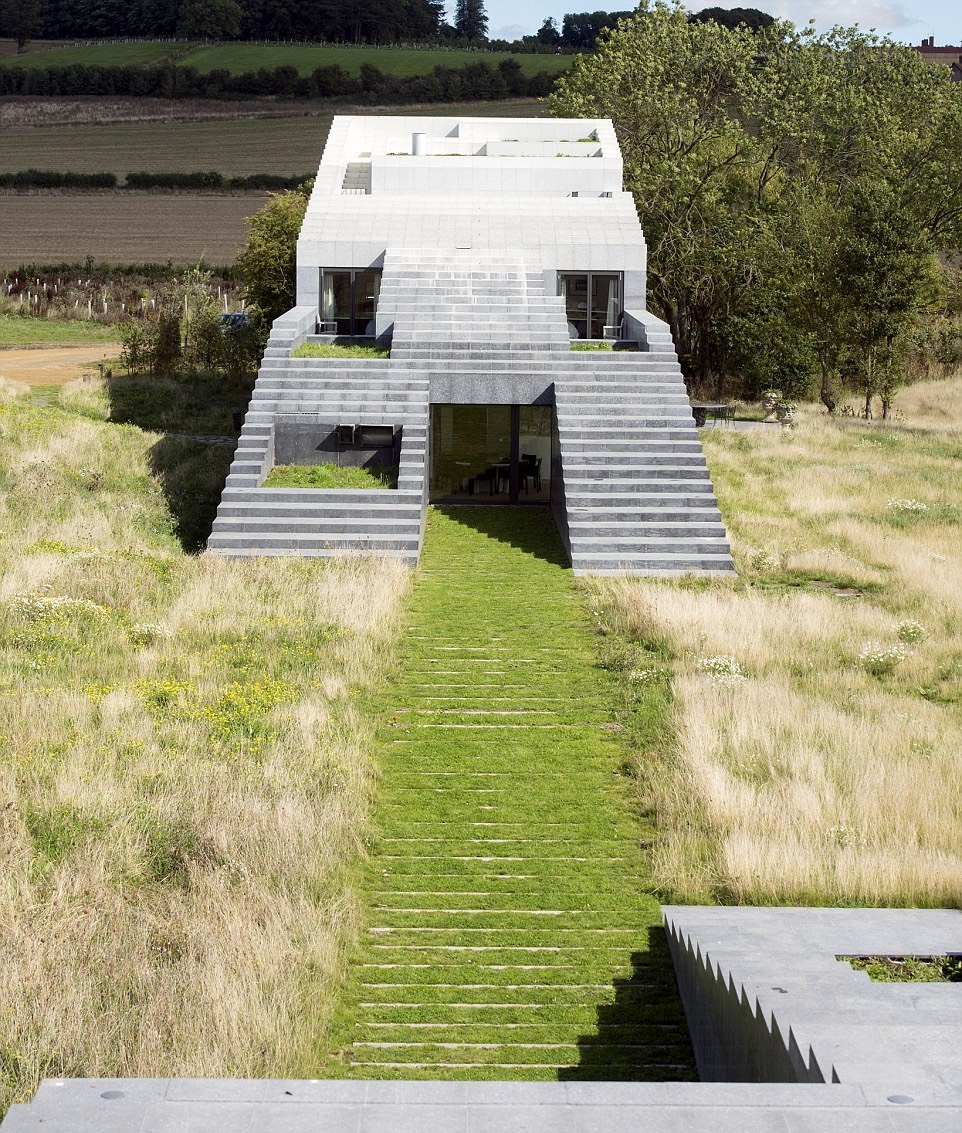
(50, 179)
(475, 81)
(322, 21)
(333, 21)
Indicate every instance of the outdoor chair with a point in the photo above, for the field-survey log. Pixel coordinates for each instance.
(530, 467)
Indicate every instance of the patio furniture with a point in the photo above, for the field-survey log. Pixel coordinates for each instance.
(701, 409)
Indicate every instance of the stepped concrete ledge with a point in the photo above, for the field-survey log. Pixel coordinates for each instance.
(788, 1039)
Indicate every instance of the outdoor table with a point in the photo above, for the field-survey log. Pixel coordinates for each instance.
(701, 409)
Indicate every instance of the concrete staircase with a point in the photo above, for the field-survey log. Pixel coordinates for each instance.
(637, 494)
(444, 304)
(631, 488)
(252, 520)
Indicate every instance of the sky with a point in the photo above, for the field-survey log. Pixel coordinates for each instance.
(909, 21)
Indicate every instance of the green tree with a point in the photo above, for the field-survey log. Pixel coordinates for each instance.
(210, 19)
(548, 33)
(21, 20)
(471, 21)
(786, 182)
(268, 262)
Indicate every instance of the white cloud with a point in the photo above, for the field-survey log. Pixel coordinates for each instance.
(886, 15)
(509, 31)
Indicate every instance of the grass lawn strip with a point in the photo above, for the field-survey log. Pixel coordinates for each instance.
(508, 925)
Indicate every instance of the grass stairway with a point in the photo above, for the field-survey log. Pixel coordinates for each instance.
(509, 934)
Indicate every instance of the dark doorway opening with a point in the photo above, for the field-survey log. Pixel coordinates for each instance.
(491, 454)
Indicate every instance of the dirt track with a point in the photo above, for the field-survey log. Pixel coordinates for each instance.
(55, 365)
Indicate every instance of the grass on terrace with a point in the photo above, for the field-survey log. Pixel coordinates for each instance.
(817, 701)
(184, 774)
(335, 350)
(329, 476)
(511, 929)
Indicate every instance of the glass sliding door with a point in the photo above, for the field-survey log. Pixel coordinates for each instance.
(605, 303)
(534, 453)
(592, 301)
(348, 301)
(490, 454)
(367, 287)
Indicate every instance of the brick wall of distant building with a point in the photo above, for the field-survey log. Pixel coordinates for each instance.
(932, 54)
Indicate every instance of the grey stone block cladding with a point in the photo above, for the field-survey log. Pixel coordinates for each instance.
(469, 238)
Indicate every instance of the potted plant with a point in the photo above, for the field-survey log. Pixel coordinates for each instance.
(785, 412)
(770, 397)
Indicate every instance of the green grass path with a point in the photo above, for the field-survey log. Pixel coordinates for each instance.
(509, 931)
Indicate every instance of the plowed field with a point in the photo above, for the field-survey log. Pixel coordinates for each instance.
(117, 228)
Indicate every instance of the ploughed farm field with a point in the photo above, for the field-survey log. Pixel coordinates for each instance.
(234, 148)
(123, 228)
(185, 227)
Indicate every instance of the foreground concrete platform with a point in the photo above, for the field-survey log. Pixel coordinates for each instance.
(236, 1106)
(806, 1045)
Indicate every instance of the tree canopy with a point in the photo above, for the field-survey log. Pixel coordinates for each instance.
(268, 262)
(796, 190)
(332, 21)
(470, 20)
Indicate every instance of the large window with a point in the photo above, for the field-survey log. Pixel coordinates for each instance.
(349, 301)
(592, 302)
(491, 453)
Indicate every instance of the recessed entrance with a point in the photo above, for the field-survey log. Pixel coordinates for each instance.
(592, 302)
(349, 302)
(491, 454)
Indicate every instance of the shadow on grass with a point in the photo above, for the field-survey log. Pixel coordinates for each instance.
(197, 404)
(191, 475)
(529, 528)
(641, 1035)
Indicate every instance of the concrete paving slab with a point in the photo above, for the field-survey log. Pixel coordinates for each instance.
(270, 1118)
(199, 1117)
(216, 1090)
(414, 1119)
(519, 1118)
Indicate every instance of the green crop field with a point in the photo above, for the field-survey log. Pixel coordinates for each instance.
(306, 57)
(403, 61)
(99, 55)
(239, 147)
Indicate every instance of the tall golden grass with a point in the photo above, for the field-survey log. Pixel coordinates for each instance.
(822, 763)
(184, 773)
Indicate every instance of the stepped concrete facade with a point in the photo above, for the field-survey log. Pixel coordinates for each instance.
(503, 266)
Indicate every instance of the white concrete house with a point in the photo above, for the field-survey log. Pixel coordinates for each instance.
(504, 266)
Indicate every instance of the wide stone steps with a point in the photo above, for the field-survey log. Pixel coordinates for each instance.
(649, 457)
(655, 565)
(637, 490)
(337, 526)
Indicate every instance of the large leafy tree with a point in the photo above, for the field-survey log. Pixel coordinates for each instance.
(268, 262)
(790, 185)
(21, 20)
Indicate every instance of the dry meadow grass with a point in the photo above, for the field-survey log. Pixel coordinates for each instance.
(817, 759)
(184, 771)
